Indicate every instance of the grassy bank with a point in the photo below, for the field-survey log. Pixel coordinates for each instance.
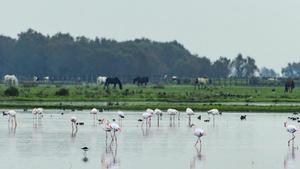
(156, 93)
(164, 106)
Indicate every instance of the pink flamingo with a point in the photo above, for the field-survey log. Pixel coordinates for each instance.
(291, 129)
(146, 117)
(199, 132)
(172, 113)
(106, 127)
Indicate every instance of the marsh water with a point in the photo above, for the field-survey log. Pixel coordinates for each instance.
(259, 142)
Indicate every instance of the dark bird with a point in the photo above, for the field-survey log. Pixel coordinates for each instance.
(243, 117)
(140, 120)
(199, 117)
(85, 148)
(80, 123)
(206, 120)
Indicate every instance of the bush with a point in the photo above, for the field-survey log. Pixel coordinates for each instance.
(62, 92)
(11, 91)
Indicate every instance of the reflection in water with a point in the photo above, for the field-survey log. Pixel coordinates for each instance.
(290, 157)
(198, 157)
(146, 131)
(109, 158)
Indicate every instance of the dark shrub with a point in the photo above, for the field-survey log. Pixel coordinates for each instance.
(11, 91)
(62, 92)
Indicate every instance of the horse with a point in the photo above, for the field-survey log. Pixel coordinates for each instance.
(11, 80)
(114, 81)
(101, 80)
(200, 82)
(289, 85)
(141, 81)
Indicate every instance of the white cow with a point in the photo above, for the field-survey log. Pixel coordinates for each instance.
(11, 80)
(101, 80)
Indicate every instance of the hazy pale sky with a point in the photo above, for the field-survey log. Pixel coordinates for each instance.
(267, 30)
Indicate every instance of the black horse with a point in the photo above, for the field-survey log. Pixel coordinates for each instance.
(114, 81)
(289, 85)
(141, 81)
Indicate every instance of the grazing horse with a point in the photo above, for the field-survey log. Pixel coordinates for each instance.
(200, 82)
(141, 81)
(114, 81)
(289, 86)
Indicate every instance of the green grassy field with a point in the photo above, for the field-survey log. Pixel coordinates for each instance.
(159, 96)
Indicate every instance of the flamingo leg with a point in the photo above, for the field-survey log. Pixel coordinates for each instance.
(292, 139)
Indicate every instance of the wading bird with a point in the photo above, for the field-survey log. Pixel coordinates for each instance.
(121, 116)
(73, 120)
(12, 118)
(199, 132)
(291, 129)
(190, 113)
(158, 113)
(94, 112)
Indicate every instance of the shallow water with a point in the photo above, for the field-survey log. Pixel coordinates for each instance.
(258, 142)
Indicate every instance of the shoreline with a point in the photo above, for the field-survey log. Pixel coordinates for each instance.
(163, 106)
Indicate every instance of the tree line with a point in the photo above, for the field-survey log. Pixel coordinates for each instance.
(35, 54)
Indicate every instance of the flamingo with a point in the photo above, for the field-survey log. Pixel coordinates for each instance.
(12, 118)
(106, 127)
(73, 120)
(190, 113)
(115, 128)
(94, 112)
(172, 113)
(214, 112)
(146, 117)
(158, 113)
(291, 129)
(199, 132)
(150, 111)
(121, 116)
(37, 113)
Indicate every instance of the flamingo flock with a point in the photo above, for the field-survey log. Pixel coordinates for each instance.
(113, 127)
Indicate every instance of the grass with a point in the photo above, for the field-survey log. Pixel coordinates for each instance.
(176, 96)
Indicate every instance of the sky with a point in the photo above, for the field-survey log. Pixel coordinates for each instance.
(267, 30)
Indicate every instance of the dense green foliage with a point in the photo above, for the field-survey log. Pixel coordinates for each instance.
(63, 56)
(11, 91)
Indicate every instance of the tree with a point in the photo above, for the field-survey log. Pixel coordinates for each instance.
(291, 70)
(221, 68)
(266, 72)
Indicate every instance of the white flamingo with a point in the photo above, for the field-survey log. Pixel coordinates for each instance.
(115, 128)
(150, 111)
(291, 129)
(172, 113)
(146, 117)
(12, 118)
(199, 132)
(94, 112)
(73, 120)
(214, 112)
(121, 116)
(190, 113)
(158, 113)
(37, 113)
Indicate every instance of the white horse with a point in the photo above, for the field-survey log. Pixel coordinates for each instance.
(201, 81)
(101, 80)
(11, 80)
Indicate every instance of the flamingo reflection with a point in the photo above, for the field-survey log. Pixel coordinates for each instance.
(109, 158)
